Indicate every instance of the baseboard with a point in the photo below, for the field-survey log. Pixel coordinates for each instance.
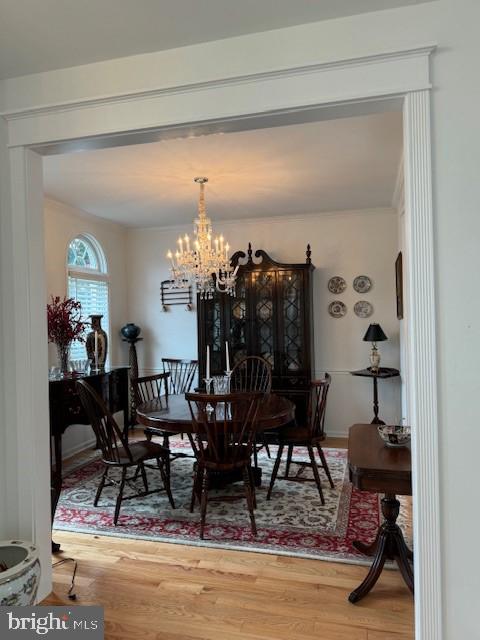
(336, 434)
(81, 446)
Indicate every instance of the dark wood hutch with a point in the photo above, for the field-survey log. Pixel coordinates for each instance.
(270, 315)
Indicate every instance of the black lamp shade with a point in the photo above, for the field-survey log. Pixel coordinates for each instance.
(374, 334)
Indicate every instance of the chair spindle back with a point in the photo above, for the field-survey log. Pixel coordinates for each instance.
(182, 374)
(108, 433)
(224, 425)
(318, 405)
(251, 374)
(150, 387)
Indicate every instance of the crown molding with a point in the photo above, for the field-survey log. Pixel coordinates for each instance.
(268, 219)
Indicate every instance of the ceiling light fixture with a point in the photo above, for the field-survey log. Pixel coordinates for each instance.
(203, 264)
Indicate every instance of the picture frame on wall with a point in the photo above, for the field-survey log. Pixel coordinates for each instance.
(399, 284)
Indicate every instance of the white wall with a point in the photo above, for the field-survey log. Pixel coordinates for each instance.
(456, 158)
(343, 243)
(62, 224)
(6, 524)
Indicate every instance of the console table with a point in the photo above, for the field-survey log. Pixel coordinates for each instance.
(375, 467)
(382, 372)
(66, 410)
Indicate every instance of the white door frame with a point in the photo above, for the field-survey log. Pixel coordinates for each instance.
(400, 74)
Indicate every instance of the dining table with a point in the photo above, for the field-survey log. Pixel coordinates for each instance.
(173, 415)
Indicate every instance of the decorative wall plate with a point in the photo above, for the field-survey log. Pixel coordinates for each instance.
(362, 284)
(337, 309)
(337, 284)
(363, 309)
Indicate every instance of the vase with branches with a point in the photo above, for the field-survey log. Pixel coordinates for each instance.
(65, 324)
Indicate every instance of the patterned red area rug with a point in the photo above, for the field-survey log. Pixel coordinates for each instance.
(293, 522)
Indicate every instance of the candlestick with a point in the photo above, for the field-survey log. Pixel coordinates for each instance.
(208, 363)
(227, 356)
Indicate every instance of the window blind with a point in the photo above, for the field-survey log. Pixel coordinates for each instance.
(93, 296)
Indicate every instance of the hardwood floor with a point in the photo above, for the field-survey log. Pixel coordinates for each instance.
(159, 591)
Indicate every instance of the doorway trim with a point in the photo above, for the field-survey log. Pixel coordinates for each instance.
(224, 104)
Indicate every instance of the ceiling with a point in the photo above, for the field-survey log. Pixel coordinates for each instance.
(333, 165)
(50, 34)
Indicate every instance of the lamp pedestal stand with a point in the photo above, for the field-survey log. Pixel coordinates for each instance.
(133, 373)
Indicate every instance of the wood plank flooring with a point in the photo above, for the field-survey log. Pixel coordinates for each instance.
(160, 591)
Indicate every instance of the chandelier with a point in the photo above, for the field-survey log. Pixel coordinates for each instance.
(200, 262)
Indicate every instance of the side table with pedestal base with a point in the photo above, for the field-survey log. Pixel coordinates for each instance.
(382, 373)
(376, 467)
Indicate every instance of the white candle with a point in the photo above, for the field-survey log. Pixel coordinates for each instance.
(227, 357)
(208, 363)
(96, 349)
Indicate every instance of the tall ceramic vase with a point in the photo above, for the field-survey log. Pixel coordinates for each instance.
(97, 343)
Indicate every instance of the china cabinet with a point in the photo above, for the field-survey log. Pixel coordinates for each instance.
(270, 315)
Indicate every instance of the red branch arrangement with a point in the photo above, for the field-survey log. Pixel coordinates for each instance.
(64, 321)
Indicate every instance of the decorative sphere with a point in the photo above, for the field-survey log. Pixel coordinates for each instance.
(130, 331)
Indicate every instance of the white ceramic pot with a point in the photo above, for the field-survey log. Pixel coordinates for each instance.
(19, 582)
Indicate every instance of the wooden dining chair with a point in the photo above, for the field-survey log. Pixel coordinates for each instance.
(118, 453)
(153, 387)
(253, 373)
(309, 436)
(223, 434)
(182, 374)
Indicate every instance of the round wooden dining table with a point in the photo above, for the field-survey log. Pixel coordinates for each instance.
(274, 412)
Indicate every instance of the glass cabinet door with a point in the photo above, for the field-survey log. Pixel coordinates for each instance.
(214, 333)
(290, 294)
(263, 310)
(237, 326)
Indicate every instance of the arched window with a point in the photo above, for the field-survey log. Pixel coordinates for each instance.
(88, 283)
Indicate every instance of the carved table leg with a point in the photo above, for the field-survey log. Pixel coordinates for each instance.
(367, 549)
(389, 544)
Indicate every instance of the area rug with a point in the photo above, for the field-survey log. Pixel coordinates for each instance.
(293, 522)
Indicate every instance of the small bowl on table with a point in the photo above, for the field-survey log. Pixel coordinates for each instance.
(394, 435)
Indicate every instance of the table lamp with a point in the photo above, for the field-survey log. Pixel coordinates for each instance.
(374, 334)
